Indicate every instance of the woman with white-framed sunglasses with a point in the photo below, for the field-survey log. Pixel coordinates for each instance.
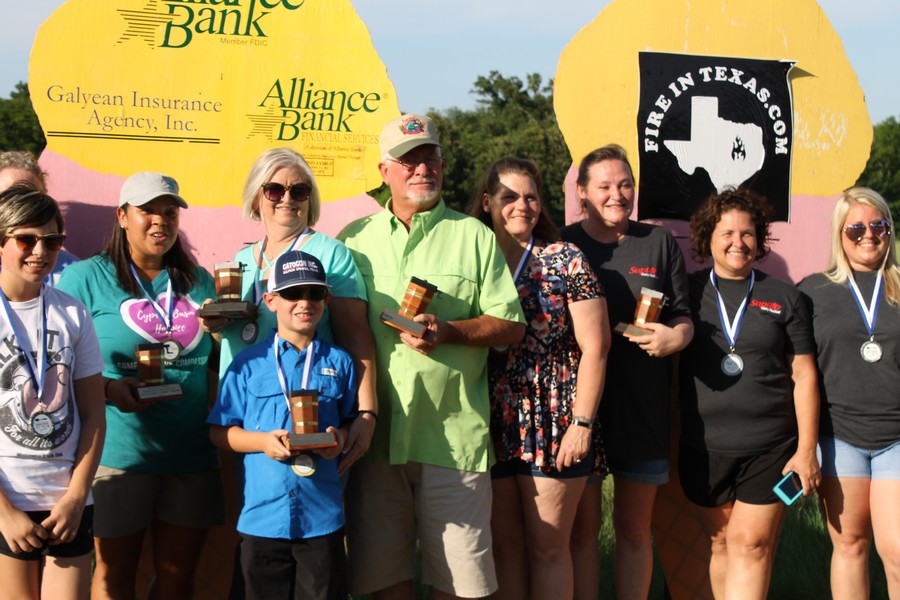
(856, 321)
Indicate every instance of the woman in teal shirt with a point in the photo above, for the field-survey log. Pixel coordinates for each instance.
(159, 471)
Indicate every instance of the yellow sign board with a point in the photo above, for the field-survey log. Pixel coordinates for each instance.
(199, 88)
(596, 87)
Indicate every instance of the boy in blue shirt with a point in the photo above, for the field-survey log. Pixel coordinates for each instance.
(291, 524)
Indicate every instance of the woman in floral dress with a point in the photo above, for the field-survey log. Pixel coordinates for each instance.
(545, 391)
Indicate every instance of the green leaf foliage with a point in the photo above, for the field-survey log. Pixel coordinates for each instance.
(21, 129)
(882, 172)
(512, 118)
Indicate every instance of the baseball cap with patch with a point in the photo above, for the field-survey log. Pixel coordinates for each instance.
(296, 268)
(406, 133)
(141, 188)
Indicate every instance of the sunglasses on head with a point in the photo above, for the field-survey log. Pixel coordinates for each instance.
(312, 292)
(856, 231)
(27, 241)
(275, 191)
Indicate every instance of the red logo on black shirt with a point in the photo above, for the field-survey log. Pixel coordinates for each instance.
(770, 307)
(643, 271)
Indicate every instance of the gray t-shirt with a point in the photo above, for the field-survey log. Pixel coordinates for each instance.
(860, 400)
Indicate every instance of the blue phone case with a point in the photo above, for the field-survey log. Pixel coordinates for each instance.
(784, 489)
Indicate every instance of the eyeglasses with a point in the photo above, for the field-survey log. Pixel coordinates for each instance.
(432, 162)
(856, 231)
(309, 292)
(27, 241)
(275, 191)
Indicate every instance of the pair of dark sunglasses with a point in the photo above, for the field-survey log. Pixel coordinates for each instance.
(312, 292)
(27, 241)
(856, 231)
(275, 191)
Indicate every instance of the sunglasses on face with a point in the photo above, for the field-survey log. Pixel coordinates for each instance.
(409, 165)
(275, 191)
(856, 231)
(313, 292)
(27, 241)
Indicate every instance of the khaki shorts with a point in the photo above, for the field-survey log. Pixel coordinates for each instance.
(388, 506)
(126, 502)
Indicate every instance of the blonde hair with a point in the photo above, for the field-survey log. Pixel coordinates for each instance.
(265, 166)
(839, 269)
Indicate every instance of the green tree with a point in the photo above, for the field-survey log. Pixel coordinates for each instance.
(21, 129)
(882, 172)
(513, 117)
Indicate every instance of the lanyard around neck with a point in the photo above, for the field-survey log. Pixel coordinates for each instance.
(524, 260)
(870, 313)
(257, 288)
(164, 315)
(732, 327)
(37, 365)
(307, 368)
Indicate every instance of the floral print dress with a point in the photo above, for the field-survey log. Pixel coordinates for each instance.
(532, 384)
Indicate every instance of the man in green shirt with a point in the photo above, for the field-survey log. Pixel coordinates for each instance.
(426, 473)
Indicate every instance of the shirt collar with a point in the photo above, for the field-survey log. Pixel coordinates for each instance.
(426, 219)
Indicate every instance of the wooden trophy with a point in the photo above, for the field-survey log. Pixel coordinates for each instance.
(228, 293)
(305, 434)
(649, 307)
(418, 296)
(151, 368)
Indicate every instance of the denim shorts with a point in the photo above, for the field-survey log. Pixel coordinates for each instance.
(840, 459)
(652, 471)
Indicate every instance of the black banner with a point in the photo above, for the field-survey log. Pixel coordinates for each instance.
(706, 123)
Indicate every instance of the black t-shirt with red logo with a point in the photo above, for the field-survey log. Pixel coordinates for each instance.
(635, 407)
(753, 412)
(860, 400)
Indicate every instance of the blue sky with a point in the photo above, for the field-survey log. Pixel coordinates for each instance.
(435, 65)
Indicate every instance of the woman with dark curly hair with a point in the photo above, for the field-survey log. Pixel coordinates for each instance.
(749, 397)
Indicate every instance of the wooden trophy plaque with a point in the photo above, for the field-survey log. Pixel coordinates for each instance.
(305, 434)
(228, 302)
(649, 307)
(151, 369)
(415, 302)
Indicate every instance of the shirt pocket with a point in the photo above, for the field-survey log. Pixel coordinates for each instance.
(330, 396)
(266, 408)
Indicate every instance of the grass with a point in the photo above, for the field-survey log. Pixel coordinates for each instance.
(801, 564)
(801, 567)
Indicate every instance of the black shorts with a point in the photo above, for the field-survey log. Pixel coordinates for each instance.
(709, 479)
(82, 544)
(314, 568)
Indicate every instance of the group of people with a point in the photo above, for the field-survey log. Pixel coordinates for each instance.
(478, 440)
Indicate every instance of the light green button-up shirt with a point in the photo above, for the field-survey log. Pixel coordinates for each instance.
(432, 409)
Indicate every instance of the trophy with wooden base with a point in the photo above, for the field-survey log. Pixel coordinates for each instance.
(151, 368)
(305, 434)
(418, 296)
(228, 302)
(649, 307)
